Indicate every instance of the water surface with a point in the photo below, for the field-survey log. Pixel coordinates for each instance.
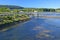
(34, 29)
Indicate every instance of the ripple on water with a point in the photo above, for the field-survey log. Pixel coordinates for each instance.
(43, 35)
(38, 28)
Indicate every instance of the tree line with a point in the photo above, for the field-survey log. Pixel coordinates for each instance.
(4, 9)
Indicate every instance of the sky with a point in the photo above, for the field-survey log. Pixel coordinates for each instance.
(33, 3)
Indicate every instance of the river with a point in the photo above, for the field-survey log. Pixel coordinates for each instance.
(34, 29)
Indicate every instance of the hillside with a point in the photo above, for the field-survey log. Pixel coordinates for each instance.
(11, 6)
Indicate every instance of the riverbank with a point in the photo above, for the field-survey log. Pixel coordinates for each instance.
(11, 25)
(5, 24)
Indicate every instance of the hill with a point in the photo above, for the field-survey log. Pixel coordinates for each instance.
(11, 6)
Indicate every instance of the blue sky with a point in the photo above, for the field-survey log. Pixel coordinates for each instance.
(33, 3)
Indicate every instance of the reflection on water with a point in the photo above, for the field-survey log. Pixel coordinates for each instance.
(35, 29)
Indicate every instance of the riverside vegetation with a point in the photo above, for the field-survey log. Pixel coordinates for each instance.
(6, 21)
(8, 17)
(14, 18)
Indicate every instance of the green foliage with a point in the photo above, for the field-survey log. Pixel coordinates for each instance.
(15, 17)
(4, 9)
(16, 10)
(38, 10)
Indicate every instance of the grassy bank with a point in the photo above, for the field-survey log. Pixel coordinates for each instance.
(6, 21)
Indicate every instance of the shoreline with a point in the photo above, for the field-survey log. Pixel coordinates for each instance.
(7, 26)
